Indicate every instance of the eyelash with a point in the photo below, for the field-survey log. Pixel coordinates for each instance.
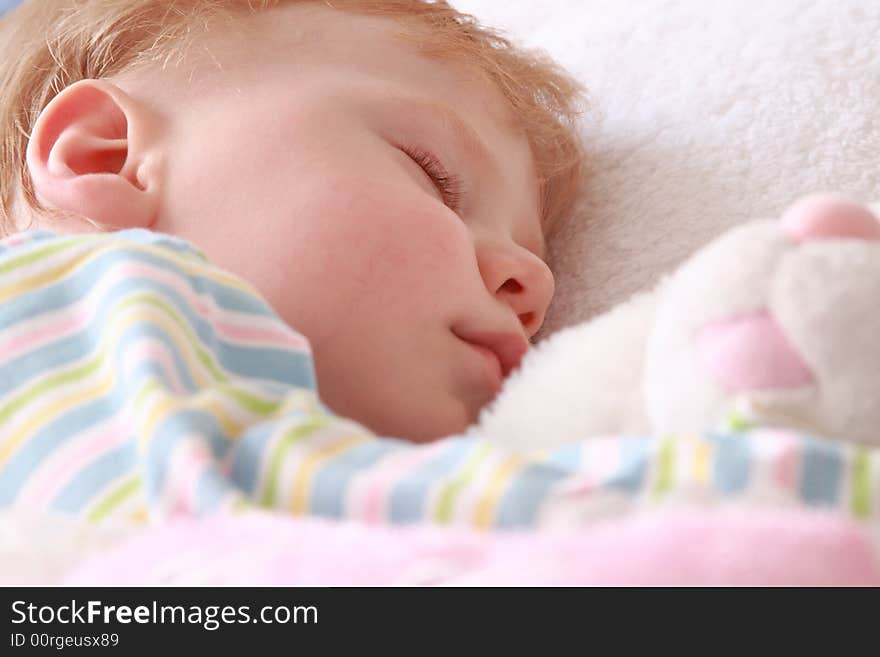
(450, 186)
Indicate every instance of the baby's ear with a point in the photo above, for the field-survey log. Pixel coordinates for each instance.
(91, 153)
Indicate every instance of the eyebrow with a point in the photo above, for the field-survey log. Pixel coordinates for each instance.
(462, 131)
(466, 136)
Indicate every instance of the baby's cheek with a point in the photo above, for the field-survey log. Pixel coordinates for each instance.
(401, 240)
(426, 257)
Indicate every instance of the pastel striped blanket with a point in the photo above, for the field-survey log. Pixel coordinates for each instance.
(138, 380)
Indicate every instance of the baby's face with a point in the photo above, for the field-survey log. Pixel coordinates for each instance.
(380, 201)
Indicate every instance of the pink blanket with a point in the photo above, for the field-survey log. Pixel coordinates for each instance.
(675, 546)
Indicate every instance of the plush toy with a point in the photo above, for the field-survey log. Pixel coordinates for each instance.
(775, 323)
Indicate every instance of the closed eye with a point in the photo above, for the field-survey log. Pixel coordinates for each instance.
(450, 186)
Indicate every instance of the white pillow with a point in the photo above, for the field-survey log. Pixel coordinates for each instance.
(705, 113)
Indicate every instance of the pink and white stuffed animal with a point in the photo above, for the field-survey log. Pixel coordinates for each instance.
(776, 323)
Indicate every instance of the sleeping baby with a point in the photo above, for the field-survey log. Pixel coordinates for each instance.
(196, 203)
(268, 253)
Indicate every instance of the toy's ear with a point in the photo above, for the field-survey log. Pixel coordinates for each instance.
(91, 154)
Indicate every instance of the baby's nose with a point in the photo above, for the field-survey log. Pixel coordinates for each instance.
(827, 217)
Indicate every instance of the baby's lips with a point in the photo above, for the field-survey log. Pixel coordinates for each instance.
(750, 352)
(508, 347)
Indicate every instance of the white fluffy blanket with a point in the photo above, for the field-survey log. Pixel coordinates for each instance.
(704, 113)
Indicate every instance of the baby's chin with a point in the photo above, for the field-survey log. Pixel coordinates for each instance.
(416, 423)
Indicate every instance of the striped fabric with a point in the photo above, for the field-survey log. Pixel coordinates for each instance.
(6, 5)
(138, 380)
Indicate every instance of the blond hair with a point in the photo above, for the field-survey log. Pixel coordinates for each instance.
(46, 46)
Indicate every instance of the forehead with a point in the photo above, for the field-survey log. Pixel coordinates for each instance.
(305, 38)
(276, 53)
(314, 35)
